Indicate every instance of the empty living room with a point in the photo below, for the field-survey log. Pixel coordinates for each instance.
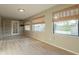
(39, 29)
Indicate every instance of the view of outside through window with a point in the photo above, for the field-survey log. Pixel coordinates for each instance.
(69, 27)
(38, 27)
(27, 27)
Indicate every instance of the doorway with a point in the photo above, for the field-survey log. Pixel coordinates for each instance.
(15, 28)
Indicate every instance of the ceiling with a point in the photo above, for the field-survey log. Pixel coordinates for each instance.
(10, 10)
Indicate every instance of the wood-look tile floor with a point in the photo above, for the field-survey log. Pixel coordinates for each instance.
(19, 45)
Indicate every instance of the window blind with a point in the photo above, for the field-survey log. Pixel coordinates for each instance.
(67, 13)
(27, 23)
(39, 19)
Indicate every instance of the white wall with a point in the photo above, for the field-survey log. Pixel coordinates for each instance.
(69, 43)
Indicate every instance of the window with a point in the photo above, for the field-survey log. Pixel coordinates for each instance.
(69, 27)
(38, 23)
(65, 21)
(38, 27)
(27, 27)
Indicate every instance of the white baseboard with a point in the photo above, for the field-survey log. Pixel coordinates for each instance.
(66, 49)
(59, 47)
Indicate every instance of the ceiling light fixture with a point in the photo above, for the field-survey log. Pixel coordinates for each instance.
(21, 10)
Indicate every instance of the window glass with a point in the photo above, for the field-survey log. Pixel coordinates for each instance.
(27, 27)
(38, 27)
(69, 27)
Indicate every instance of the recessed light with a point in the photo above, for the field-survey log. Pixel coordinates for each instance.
(21, 10)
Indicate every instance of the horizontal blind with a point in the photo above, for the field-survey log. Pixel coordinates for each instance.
(39, 19)
(67, 13)
(27, 23)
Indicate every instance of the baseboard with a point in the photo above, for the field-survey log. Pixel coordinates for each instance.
(66, 50)
(75, 53)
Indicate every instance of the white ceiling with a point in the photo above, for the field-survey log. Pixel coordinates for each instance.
(10, 10)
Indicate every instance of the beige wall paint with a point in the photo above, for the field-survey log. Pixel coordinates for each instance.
(6, 27)
(0, 28)
(69, 43)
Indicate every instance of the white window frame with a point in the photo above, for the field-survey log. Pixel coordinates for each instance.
(38, 24)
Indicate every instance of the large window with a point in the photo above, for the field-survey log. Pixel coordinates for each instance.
(66, 20)
(69, 27)
(38, 27)
(27, 27)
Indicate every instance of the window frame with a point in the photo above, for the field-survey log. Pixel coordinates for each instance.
(33, 27)
(65, 34)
